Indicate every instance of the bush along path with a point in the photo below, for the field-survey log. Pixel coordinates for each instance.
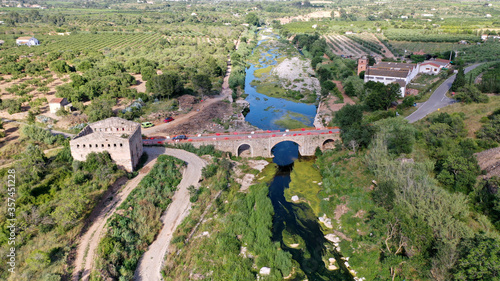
(133, 216)
(152, 261)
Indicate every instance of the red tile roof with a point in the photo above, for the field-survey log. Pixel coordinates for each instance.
(443, 61)
(57, 100)
(431, 63)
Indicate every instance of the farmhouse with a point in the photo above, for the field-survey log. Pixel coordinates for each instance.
(119, 137)
(433, 66)
(28, 41)
(392, 72)
(58, 103)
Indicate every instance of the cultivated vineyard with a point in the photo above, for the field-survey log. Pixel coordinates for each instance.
(357, 45)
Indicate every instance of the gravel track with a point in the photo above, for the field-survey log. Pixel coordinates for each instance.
(86, 250)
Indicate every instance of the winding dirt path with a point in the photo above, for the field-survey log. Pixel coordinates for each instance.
(86, 250)
(150, 264)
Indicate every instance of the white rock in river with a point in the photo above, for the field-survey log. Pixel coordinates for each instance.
(265, 271)
(332, 238)
(295, 198)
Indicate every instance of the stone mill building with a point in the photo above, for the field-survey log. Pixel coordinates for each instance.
(120, 137)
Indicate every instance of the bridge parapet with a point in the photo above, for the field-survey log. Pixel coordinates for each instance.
(262, 146)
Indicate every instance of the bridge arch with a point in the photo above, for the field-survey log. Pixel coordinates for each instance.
(274, 142)
(328, 144)
(244, 148)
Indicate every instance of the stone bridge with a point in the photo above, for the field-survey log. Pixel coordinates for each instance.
(262, 145)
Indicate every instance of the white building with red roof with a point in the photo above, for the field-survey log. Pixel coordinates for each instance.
(433, 66)
(57, 103)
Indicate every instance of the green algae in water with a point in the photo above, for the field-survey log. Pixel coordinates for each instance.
(289, 123)
(305, 178)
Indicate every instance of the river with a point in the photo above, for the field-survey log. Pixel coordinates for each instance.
(265, 110)
(290, 219)
(298, 219)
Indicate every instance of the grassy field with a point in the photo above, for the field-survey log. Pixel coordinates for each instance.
(473, 112)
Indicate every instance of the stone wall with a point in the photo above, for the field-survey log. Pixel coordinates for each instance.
(263, 146)
(119, 137)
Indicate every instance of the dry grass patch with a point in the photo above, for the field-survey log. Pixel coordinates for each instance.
(474, 112)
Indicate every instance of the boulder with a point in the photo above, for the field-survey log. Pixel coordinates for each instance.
(265, 271)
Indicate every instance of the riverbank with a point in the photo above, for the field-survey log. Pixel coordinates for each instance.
(282, 72)
(279, 82)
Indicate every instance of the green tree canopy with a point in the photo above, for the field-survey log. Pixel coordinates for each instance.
(380, 96)
(165, 85)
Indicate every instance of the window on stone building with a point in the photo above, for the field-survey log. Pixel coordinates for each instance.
(115, 145)
(102, 145)
(77, 146)
(83, 146)
(90, 145)
(121, 144)
(109, 145)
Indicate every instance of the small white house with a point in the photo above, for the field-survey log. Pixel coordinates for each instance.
(58, 103)
(28, 41)
(433, 66)
(429, 68)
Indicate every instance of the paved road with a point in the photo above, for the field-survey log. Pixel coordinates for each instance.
(241, 135)
(438, 99)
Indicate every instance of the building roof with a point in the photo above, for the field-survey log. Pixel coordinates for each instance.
(387, 72)
(57, 100)
(431, 63)
(113, 126)
(442, 61)
(25, 38)
(394, 65)
(113, 121)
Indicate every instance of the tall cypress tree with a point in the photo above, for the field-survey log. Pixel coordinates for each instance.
(459, 80)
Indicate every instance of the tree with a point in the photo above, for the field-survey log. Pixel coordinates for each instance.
(459, 80)
(401, 135)
(479, 259)
(459, 172)
(202, 84)
(380, 96)
(60, 66)
(31, 117)
(147, 72)
(100, 109)
(470, 94)
(490, 130)
(165, 85)
(348, 115)
(252, 19)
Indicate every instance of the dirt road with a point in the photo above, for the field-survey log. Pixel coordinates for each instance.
(206, 105)
(86, 250)
(151, 262)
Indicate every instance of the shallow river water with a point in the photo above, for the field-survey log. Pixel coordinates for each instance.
(265, 110)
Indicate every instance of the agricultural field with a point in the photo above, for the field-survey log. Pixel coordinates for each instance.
(357, 45)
